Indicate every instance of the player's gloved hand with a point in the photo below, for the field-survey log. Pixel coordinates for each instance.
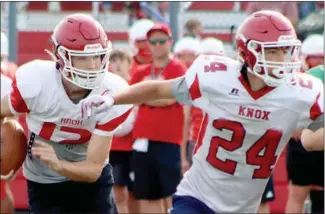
(96, 104)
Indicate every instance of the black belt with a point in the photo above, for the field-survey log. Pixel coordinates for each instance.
(30, 145)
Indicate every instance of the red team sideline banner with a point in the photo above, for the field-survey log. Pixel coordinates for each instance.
(31, 44)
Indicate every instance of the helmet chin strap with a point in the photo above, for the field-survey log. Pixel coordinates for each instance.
(70, 87)
(54, 58)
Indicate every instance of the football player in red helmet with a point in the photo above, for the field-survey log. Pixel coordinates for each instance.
(67, 168)
(83, 41)
(245, 103)
(268, 47)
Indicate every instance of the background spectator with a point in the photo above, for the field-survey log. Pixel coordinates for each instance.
(193, 28)
(212, 46)
(121, 149)
(157, 145)
(306, 169)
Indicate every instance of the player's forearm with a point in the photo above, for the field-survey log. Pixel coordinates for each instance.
(161, 102)
(144, 92)
(187, 118)
(84, 171)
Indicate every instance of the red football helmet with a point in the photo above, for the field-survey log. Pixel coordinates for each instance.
(81, 35)
(268, 29)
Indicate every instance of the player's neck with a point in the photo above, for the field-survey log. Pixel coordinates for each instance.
(161, 62)
(255, 82)
(74, 92)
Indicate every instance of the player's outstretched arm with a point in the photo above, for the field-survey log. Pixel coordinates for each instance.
(90, 169)
(5, 109)
(145, 91)
(84, 171)
(313, 141)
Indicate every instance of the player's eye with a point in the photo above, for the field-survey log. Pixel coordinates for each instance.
(273, 51)
(285, 50)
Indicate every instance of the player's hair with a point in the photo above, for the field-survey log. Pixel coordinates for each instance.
(120, 54)
(191, 24)
(51, 53)
(243, 72)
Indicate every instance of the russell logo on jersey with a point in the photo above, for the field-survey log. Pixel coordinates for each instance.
(253, 113)
(234, 91)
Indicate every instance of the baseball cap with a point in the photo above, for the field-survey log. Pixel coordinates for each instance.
(160, 27)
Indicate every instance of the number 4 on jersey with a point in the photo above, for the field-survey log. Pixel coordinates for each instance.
(261, 153)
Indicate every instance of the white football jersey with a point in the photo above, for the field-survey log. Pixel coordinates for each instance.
(5, 85)
(54, 118)
(243, 132)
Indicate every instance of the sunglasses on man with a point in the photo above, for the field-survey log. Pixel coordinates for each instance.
(160, 41)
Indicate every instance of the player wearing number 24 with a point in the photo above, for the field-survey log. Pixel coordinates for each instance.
(67, 166)
(242, 134)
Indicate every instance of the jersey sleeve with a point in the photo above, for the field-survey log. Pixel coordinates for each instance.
(191, 89)
(127, 126)
(25, 88)
(312, 116)
(110, 122)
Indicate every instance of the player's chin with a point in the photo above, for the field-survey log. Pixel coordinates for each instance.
(270, 74)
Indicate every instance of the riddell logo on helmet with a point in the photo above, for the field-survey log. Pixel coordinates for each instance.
(93, 47)
(286, 37)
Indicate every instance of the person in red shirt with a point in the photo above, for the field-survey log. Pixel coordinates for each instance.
(139, 44)
(121, 149)
(120, 157)
(158, 130)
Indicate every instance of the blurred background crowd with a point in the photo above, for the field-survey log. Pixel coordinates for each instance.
(196, 28)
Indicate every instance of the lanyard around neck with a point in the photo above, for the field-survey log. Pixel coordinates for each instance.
(152, 74)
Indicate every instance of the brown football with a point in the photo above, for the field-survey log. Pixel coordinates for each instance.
(13, 146)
